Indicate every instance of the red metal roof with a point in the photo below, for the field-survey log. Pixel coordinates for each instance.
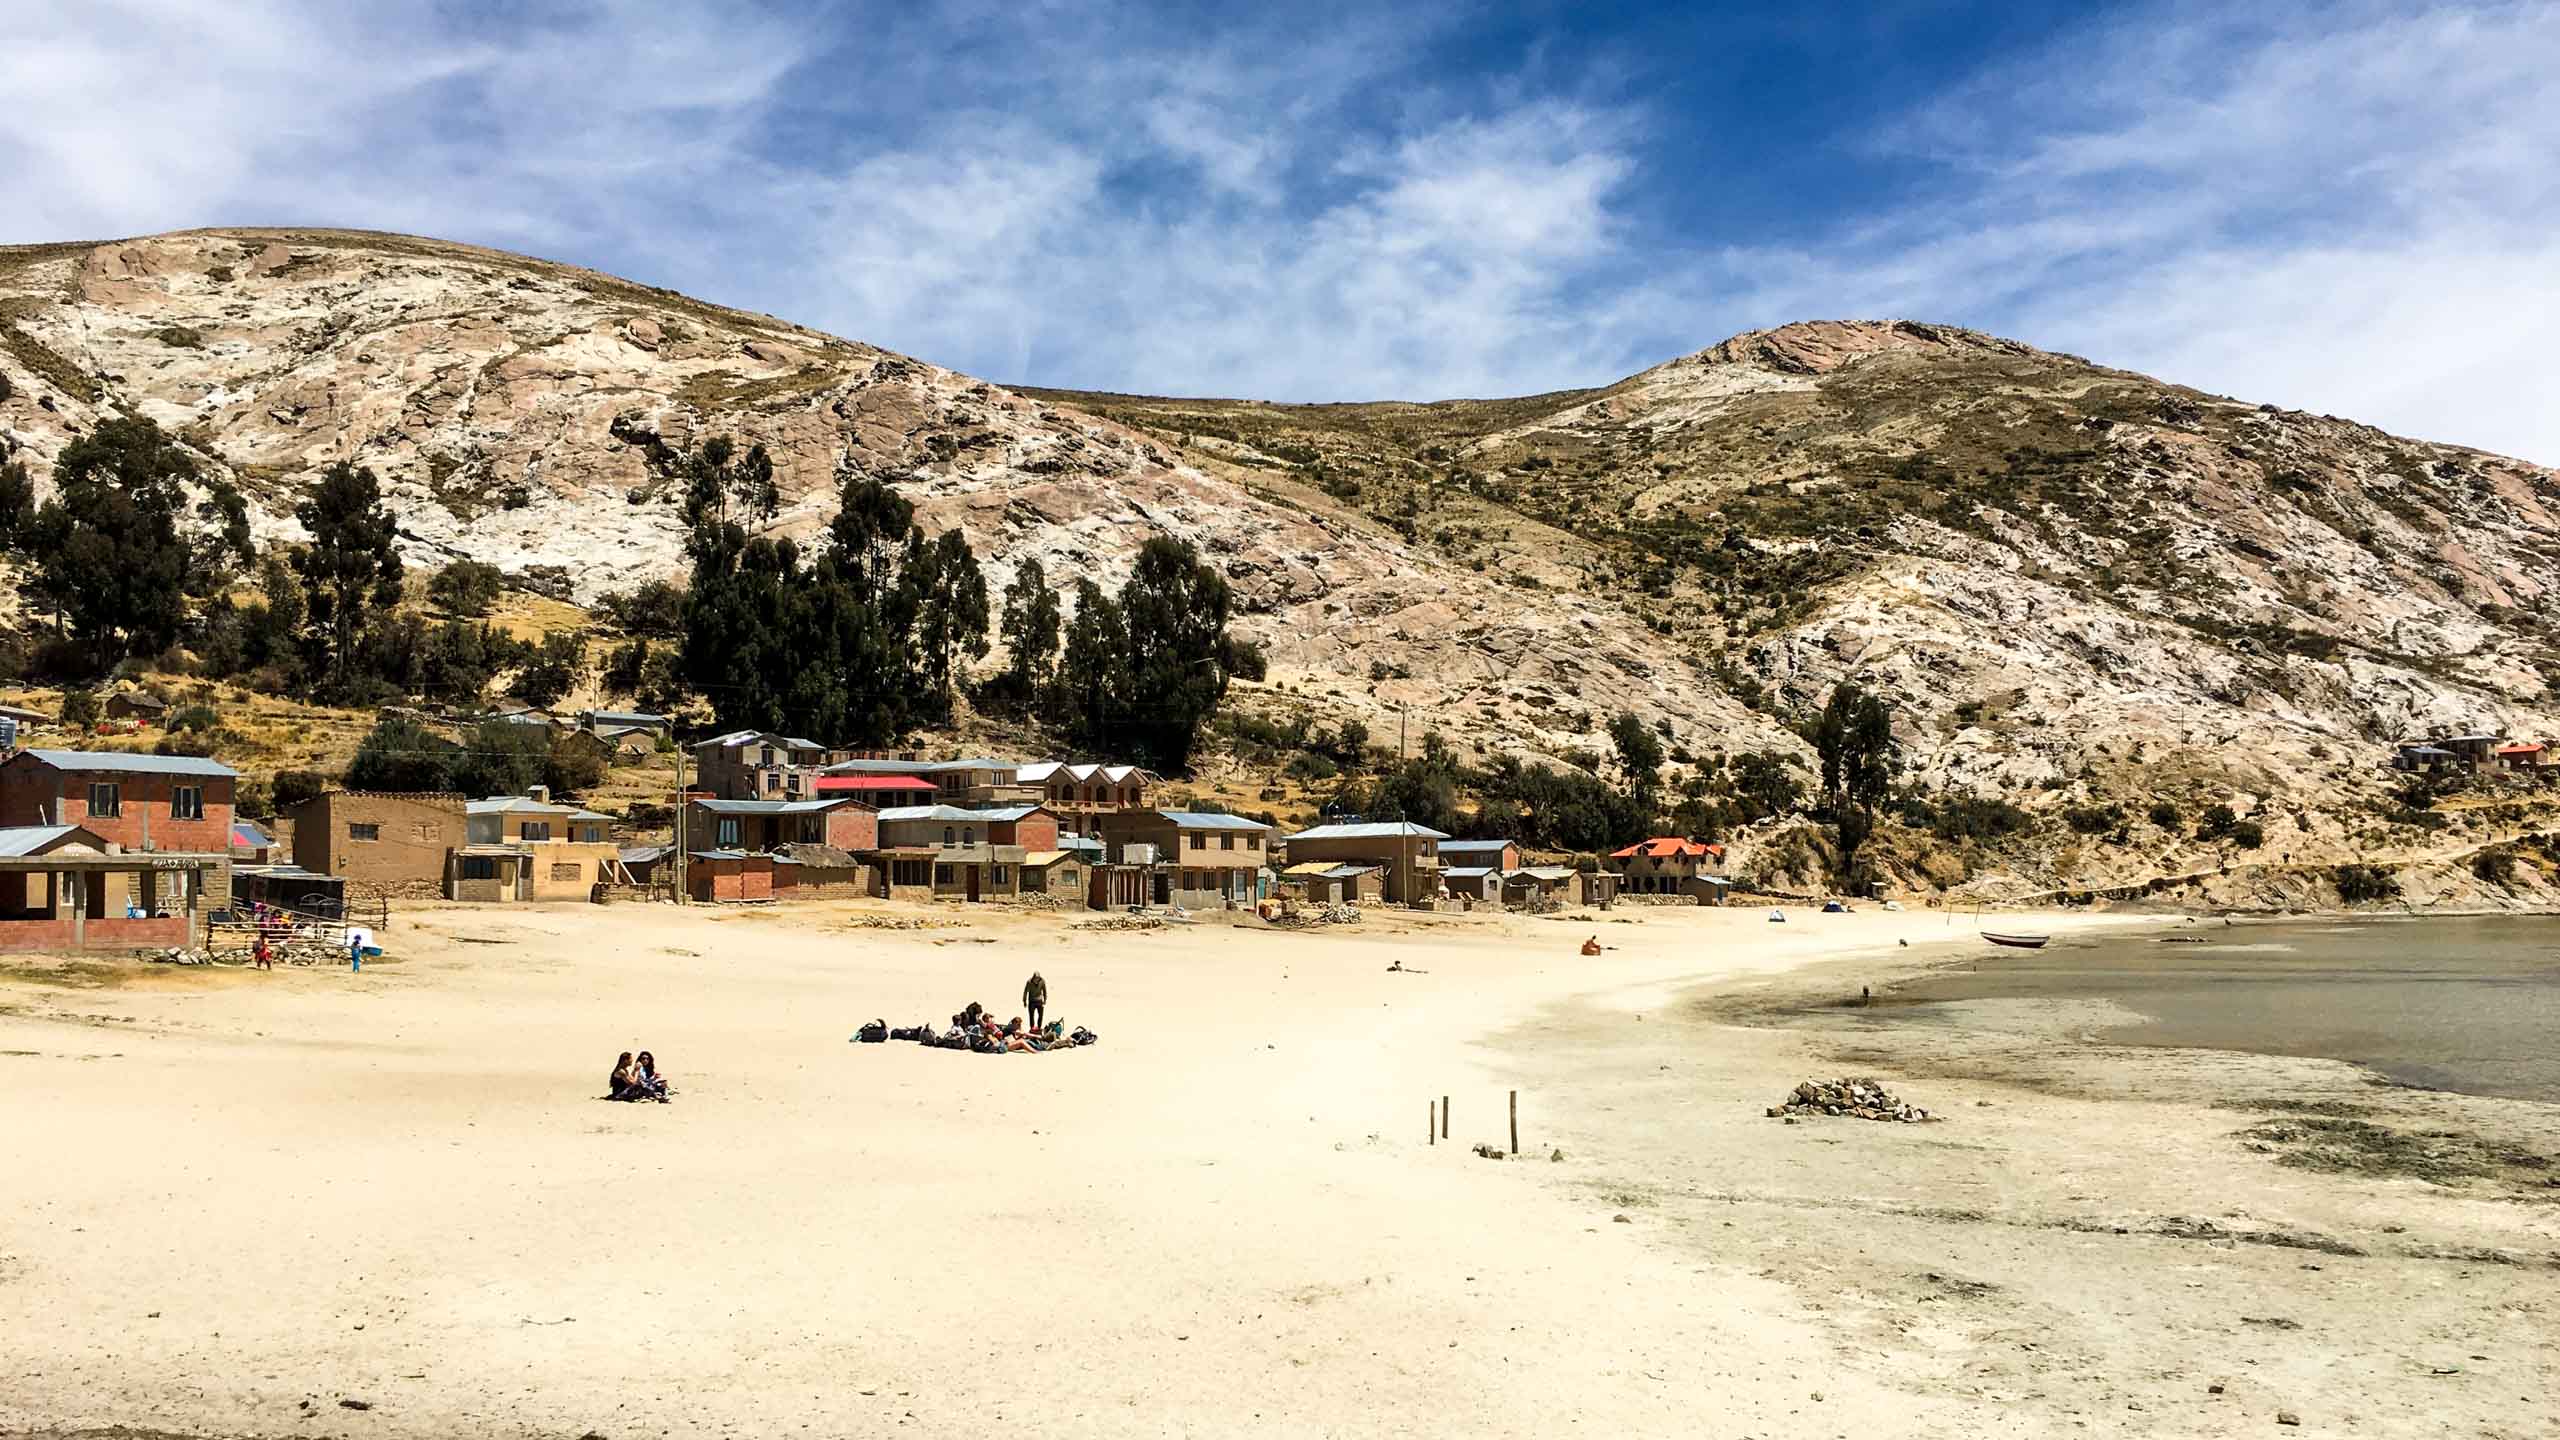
(843, 783)
(1667, 847)
(2534, 748)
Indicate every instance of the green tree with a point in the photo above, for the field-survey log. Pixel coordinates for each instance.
(111, 560)
(461, 658)
(17, 505)
(400, 754)
(1640, 758)
(351, 569)
(653, 609)
(466, 587)
(1031, 630)
(554, 668)
(1089, 694)
(950, 606)
(79, 708)
(1176, 611)
(722, 485)
(292, 787)
(1854, 738)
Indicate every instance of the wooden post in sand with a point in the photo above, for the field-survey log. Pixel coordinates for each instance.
(1431, 1121)
(1444, 1117)
(1515, 1122)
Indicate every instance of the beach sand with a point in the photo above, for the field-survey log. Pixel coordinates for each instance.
(240, 1198)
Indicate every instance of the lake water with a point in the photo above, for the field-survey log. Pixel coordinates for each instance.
(2454, 1004)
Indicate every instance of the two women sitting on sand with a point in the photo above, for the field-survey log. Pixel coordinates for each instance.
(638, 1081)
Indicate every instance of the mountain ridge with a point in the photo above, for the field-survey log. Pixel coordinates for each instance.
(2081, 586)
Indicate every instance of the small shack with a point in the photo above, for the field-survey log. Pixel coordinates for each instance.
(1056, 872)
(729, 877)
(1537, 887)
(1323, 882)
(808, 871)
(1595, 888)
(1479, 883)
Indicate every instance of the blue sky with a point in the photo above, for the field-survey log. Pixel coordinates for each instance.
(2348, 208)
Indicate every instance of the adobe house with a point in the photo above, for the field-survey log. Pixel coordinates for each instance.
(1538, 887)
(1055, 872)
(731, 877)
(1672, 865)
(137, 802)
(807, 870)
(1409, 853)
(2477, 752)
(1323, 882)
(1082, 794)
(61, 889)
(1595, 888)
(381, 843)
(135, 705)
(2526, 755)
(1482, 854)
(758, 765)
(1480, 883)
(1194, 859)
(945, 852)
(562, 852)
(840, 822)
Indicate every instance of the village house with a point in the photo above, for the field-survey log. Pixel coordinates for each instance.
(136, 802)
(758, 765)
(1194, 859)
(139, 706)
(606, 722)
(947, 852)
(62, 889)
(382, 844)
(1479, 883)
(1672, 865)
(1324, 882)
(524, 847)
(1409, 853)
(2476, 752)
(1497, 855)
(880, 792)
(1056, 872)
(842, 824)
(1082, 794)
(2527, 755)
(978, 782)
(1538, 887)
(732, 877)
(251, 845)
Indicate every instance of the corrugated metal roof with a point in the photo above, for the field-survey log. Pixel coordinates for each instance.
(646, 854)
(1369, 830)
(719, 855)
(1469, 872)
(628, 717)
(914, 767)
(1545, 872)
(955, 813)
(32, 839)
(111, 762)
(1205, 820)
(1473, 847)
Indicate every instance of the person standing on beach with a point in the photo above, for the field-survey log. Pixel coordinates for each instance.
(1035, 998)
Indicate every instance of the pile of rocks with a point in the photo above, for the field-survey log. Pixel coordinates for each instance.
(182, 955)
(1124, 922)
(888, 922)
(1856, 1099)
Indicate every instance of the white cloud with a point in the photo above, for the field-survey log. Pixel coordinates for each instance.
(2351, 211)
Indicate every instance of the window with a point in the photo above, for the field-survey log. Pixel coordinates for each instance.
(941, 874)
(1227, 841)
(1253, 842)
(728, 832)
(1199, 841)
(186, 803)
(909, 872)
(535, 830)
(812, 830)
(106, 801)
(968, 835)
(479, 867)
(947, 833)
(766, 756)
(565, 871)
(357, 830)
(995, 874)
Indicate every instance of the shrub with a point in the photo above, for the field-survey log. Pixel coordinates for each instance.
(1309, 766)
(2248, 835)
(466, 587)
(2496, 865)
(194, 717)
(2165, 815)
(2358, 884)
(2093, 819)
(80, 708)
(295, 786)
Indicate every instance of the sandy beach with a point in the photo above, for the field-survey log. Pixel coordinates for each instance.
(239, 1199)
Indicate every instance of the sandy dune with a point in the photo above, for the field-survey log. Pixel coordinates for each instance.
(235, 1195)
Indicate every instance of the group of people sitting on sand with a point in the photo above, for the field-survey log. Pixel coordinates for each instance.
(638, 1080)
(977, 1028)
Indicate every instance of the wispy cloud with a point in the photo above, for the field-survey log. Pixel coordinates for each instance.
(2350, 210)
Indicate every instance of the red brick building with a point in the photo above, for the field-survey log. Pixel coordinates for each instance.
(140, 802)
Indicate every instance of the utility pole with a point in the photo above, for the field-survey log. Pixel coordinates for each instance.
(679, 831)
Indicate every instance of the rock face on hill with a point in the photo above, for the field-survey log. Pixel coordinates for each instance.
(2079, 586)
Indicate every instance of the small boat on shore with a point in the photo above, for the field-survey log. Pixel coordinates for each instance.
(2016, 942)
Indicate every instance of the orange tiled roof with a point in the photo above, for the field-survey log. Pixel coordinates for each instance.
(1667, 847)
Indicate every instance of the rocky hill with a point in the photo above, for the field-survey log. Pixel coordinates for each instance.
(2080, 587)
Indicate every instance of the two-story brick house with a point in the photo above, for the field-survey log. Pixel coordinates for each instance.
(758, 765)
(1408, 853)
(1192, 858)
(841, 824)
(139, 802)
(948, 852)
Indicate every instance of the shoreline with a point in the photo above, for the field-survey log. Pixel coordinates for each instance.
(1220, 1217)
